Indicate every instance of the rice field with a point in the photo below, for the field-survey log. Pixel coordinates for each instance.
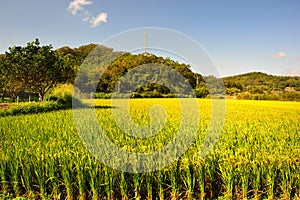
(256, 157)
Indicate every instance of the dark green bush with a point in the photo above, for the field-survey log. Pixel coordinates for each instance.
(101, 95)
(33, 108)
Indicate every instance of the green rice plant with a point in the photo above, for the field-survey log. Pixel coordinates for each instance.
(68, 177)
(257, 178)
(286, 172)
(137, 183)
(228, 170)
(296, 186)
(160, 179)
(271, 178)
(4, 173)
(27, 177)
(174, 176)
(95, 176)
(149, 184)
(54, 176)
(109, 182)
(41, 175)
(80, 168)
(257, 155)
(200, 176)
(188, 178)
(244, 172)
(212, 180)
(15, 174)
(124, 186)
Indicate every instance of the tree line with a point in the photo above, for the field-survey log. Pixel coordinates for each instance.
(37, 69)
(262, 86)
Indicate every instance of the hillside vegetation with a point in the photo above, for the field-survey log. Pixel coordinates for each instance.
(257, 85)
(33, 70)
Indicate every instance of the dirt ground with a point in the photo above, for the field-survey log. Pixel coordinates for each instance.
(4, 106)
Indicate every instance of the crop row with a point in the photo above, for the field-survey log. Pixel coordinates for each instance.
(257, 155)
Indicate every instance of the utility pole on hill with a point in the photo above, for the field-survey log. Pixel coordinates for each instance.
(145, 42)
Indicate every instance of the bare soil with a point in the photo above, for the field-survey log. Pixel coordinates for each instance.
(4, 106)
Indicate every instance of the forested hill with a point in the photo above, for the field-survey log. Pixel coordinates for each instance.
(258, 85)
(253, 82)
(23, 69)
(116, 64)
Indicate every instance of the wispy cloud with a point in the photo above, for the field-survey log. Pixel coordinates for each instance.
(100, 18)
(87, 16)
(279, 55)
(77, 5)
(85, 19)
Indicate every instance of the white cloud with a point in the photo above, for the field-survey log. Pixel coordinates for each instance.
(85, 19)
(87, 16)
(100, 18)
(87, 13)
(77, 5)
(279, 55)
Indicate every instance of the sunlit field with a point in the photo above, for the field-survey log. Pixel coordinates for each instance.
(257, 155)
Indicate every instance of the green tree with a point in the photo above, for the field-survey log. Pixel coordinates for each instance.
(201, 92)
(2, 76)
(38, 67)
(11, 80)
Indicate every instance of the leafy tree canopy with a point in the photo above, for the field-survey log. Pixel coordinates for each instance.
(36, 68)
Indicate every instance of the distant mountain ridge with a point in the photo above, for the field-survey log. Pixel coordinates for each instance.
(253, 85)
(259, 85)
(258, 73)
(268, 81)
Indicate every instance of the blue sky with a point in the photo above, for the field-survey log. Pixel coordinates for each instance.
(240, 36)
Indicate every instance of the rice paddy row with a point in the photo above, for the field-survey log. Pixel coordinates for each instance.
(257, 155)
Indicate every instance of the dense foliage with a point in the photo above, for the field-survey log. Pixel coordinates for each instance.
(126, 62)
(58, 98)
(113, 65)
(34, 70)
(31, 108)
(261, 86)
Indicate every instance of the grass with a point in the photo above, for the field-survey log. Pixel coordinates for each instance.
(257, 155)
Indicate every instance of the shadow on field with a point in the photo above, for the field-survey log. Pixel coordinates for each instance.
(104, 107)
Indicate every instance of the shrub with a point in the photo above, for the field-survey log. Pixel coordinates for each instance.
(62, 94)
(101, 95)
(59, 98)
(31, 108)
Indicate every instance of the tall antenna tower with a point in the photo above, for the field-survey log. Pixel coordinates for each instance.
(145, 42)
